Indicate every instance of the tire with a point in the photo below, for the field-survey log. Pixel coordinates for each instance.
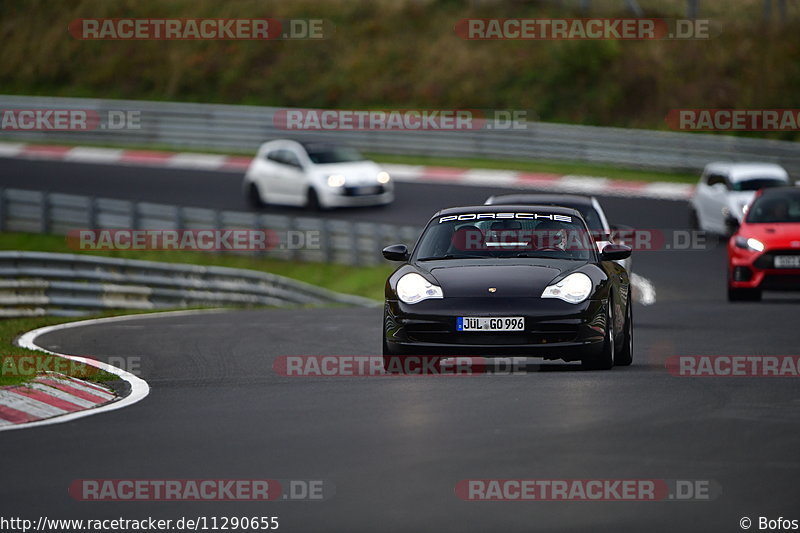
(312, 200)
(694, 222)
(604, 360)
(744, 295)
(254, 196)
(398, 362)
(625, 355)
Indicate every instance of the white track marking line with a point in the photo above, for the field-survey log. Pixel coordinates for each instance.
(11, 149)
(86, 154)
(202, 161)
(139, 387)
(490, 178)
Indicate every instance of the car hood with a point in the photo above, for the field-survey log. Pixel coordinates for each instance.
(774, 236)
(511, 279)
(355, 173)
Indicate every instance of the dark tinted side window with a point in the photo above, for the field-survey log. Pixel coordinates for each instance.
(713, 179)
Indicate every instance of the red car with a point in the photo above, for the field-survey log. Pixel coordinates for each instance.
(764, 253)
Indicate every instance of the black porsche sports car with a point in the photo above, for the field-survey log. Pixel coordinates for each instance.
(509, 280)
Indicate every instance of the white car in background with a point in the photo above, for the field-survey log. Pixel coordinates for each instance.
(315, 175)
(726, 189)
(587, 206)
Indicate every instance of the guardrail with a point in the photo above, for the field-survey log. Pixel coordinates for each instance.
(334, 241)
(37, 283)
(40, 283)
(226, 127)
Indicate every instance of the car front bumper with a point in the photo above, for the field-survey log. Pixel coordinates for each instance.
(553, 329)
(754, 270)
(333, 198)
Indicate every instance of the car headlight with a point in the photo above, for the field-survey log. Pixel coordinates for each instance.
(749, 244)
(413, 288)
(336, 180)
(383, 177)
(574, 289)
(742, 208)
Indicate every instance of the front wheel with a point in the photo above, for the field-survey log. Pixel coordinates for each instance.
(625, 355)
(398, 362)
(605, 359)
(694, 222)
(312, 200)
(253, 196)
(744, 295)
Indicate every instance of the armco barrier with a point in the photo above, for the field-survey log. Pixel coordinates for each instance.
(339, 241)
(36, 283)
(40, 283)
(228, 127)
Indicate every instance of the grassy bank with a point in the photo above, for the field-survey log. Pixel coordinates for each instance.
(18, 365)
(405, 53)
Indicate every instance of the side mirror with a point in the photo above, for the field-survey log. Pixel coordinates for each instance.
(615, 252)
(719, 188)
(396, 252)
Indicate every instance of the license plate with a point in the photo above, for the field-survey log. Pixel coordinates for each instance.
(787, 261)
(367, 190)
(477, 323)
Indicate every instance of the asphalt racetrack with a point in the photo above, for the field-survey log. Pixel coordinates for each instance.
(394, 448)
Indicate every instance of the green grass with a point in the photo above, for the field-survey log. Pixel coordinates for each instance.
(14, 370)
(405, 54)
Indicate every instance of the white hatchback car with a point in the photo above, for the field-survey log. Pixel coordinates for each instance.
(726, 189)
(315, 175)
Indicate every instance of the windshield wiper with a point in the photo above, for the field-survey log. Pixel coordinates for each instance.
(451, 256)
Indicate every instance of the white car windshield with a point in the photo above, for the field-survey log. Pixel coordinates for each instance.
(754, 184)
(329, 154)
(774, 209)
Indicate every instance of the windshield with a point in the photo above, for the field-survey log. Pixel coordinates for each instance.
(327, 155)
(754, 184)
(545, 238)
(775, 209)
(588, 212)
(592, 219)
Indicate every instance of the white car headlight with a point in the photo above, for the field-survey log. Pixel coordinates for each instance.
(574, 289)
(413, 288)
(383, 177)
(749, 244)
(336, 180)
